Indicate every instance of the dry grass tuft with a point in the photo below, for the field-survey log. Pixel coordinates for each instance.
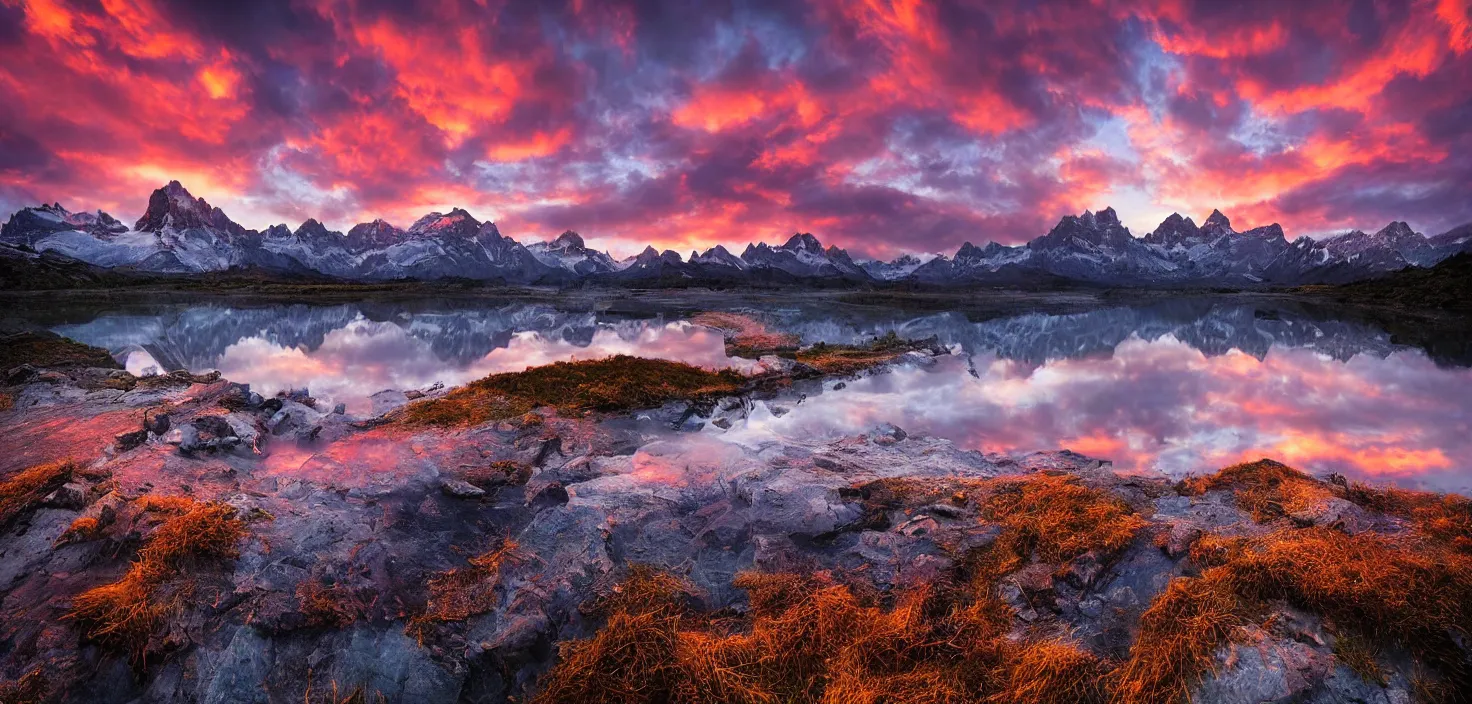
(467, 591)
(125, 615)
(1059, 518)
(172, 505)
(83, 529)
(1265, 488)
(1415, 594)
(612, 384)
(807, 638)
(331, 606)
(336, 695)
(1443, 517)
(7, 401)
(1360, 656)
(1178, 638)
(23, 491)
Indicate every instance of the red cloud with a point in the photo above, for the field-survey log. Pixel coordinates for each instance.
(878, 125)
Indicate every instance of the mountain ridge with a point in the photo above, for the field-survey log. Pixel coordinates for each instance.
(182, 234)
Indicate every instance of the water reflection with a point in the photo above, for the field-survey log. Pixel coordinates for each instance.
(1178, 387)
(364, 357)
(1162, 405)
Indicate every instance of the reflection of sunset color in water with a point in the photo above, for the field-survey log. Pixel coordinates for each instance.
(1162, 405)
(365, 357)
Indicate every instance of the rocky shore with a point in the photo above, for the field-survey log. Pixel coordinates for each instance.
(183, 539)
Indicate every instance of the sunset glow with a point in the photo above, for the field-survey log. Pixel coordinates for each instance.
(881, 126)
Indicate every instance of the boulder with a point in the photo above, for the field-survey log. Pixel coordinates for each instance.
(460, 489)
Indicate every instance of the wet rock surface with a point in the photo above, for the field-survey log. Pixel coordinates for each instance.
(354, 525)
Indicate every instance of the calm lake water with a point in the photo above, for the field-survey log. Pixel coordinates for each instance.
(1177, 387)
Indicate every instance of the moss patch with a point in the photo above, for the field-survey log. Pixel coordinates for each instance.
(617, 383)
(45, 349)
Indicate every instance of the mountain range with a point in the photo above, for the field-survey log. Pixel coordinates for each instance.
(182, 234)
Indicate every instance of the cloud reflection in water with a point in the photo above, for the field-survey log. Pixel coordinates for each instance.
(1163, 405)
(365, 357)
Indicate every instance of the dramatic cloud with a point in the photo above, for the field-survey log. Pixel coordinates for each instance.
(879, 125)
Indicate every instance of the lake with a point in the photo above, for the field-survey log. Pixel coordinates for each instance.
(1175, 385)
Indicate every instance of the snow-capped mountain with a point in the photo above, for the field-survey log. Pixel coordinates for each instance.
(568, 252)
(803, 256)
(182, 234)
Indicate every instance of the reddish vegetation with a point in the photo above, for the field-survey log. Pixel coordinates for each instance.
(7, 401)
(746, 336)
(22, 491)
(1059, 518)
(811, 638)
(461, 593)
(126, 614)
(1264, 488)
(613, 384)
(331, 606)
(850, 359)
(1443, 517)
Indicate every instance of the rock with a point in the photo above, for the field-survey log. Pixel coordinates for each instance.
(1334, 512)
(1254, 667)
(413, 394)
(553, 494)
(722, 423)
(840, 386)
(23, 374)
(158, 424)
(887, 434)
(389, 400)
(70, 496)
(460, 489)
(340, 409)
(778, 410)
(130, 440)
(1180, 538)
(771, 363)
(254, 400)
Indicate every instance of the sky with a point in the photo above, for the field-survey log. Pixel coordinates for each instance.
(882, 126)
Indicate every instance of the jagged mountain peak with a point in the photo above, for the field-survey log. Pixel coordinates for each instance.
(569, 240)
(455, 222)
(804, 241)
(172, 206)
(311, 228)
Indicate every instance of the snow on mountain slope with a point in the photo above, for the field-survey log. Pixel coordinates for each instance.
(180, 233)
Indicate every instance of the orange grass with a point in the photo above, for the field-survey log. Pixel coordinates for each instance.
(176, 505)
(23, 491)
(1443, 517)
(7, 401)
(125, 615)
(809, 639)
(1417, 595)
(1265, 488)
(330, 606)
(1059, 518)
(612, 384)
(1178, 638)
(467, 591)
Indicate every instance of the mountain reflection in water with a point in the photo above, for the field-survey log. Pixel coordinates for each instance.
(1175, 388)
